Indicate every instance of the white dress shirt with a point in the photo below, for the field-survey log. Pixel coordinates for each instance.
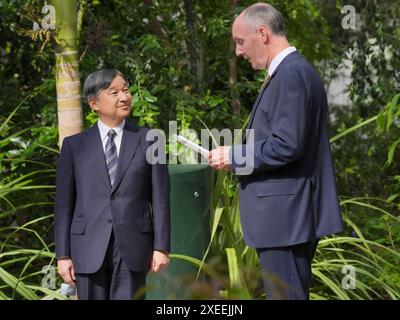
(278, 59)
(104, 129)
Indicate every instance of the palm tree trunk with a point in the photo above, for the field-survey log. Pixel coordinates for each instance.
(70, 118)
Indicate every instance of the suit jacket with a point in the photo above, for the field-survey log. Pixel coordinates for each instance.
(290, 195)
(87, 208)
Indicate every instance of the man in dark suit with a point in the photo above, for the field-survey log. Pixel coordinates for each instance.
(288, 198)
(112, 218)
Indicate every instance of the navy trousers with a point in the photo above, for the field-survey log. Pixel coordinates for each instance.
(287, 271)
(113, 281)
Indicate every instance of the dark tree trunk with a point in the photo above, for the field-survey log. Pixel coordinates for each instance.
(155, 25)
(192, 37)
(235, 102)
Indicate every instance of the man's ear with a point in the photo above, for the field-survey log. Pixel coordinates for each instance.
(93, 104)
(264, 34)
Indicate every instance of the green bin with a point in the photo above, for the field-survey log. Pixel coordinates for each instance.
(191, 191)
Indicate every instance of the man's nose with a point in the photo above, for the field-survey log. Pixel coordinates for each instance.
(124, 96)
(238, 51)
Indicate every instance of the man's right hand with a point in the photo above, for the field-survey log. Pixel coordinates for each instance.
(66, 270)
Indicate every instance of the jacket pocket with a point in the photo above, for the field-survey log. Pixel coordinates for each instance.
(77, 228)
(277, 188)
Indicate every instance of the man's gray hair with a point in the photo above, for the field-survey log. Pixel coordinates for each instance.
(264, 14)
(100, 80)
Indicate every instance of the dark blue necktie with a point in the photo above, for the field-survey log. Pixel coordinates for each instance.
(111, 156)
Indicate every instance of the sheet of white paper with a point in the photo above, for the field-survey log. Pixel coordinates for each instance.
(193, 146)
(67, 290)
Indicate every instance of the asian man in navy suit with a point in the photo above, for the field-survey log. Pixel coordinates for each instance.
(112, 212)
(288, 198)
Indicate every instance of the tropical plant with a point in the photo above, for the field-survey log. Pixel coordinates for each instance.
(25, 224)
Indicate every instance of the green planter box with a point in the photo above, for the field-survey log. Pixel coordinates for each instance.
(191, 191)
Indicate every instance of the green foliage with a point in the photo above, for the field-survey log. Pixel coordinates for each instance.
(25, 200)
(155, 53)
(143, 102)
(374, 56)
(386, 120)
(150, 44)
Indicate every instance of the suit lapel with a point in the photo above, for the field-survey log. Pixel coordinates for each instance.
(287, 59)
(129, 144)
(255, 106)
(96, 153)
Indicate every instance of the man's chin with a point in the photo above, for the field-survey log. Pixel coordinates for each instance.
(123, 112)
(255, 66)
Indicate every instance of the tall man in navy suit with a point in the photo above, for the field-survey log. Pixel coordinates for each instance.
(288, 199)
(112, 218)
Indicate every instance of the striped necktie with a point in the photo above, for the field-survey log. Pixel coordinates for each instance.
(111, 156)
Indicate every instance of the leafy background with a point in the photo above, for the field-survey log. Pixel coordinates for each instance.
(181, 67)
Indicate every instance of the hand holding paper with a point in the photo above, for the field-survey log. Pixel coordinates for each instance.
(219, 158)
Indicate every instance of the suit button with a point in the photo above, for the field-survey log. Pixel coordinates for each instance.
(109, 220)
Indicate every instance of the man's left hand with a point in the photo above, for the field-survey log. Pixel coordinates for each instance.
(219, 158)
(159, 261)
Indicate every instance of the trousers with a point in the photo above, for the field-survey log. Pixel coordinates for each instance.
(113, 281)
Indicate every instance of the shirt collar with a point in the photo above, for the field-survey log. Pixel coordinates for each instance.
(278, 59)
(104, 129)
